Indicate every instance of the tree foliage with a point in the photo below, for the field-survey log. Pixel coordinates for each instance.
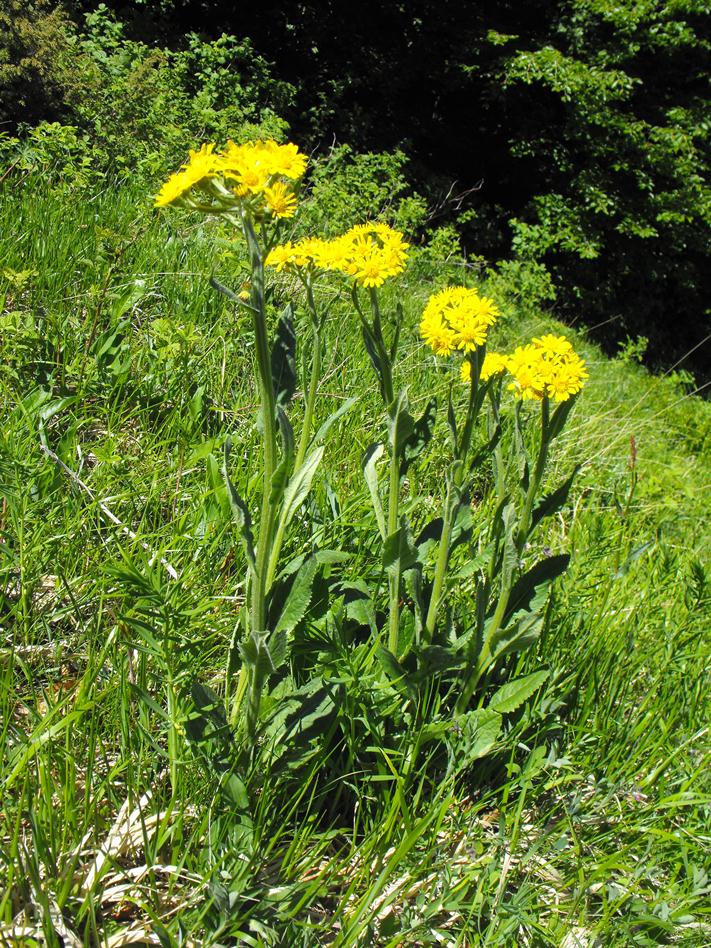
(573, 134)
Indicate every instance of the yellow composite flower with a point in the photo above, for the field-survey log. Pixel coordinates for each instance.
(547, 366)
(494, 364)
(256, 165)
(457, 318)
(280, 200)
(250, 171)
(371, 253)
(307, 253)
(201, 166)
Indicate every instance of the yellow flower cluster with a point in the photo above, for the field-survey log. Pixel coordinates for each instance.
(457, 318)
(494, 364)
(546, 366)
(249, 171)
(370, 253)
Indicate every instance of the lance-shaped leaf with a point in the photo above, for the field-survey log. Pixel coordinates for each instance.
(299, 597)
(399, 551)
(420, 437)
(512, 695)
(452, 421)
(256, 655)
(284, 358)
(398, 327)
(559, 417)
(509, 561)
(401, 424)
(552, 502)
(371, 457)
(240, 511)
(332, 419)
(530, 591)
(298, 488)
(230, 294)
(376, 359)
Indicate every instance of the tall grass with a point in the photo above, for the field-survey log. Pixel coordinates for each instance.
(589, 823)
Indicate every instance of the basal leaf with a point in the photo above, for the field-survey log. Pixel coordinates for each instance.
(299, 597)
(512, 695)
(299, 486)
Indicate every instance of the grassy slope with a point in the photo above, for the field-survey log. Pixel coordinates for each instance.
(589, 822)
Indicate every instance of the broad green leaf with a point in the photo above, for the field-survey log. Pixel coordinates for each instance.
(552, 502)
(299, 486)
(509, 563)
(399, 551)
(284, 358)
(531, 590)
(332, 419)
(559, 417)
(511, 696)
(632, 558)
(240, 511)
(370, 459)
(420, 437)
(299, 597)
(452, 421)
(487, 727)
(401, 424)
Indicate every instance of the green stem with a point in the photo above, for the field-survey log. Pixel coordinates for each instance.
(268, 402)
(305, 438)
(315, 377)
(450, 514)
(497, 619)
(393, 517)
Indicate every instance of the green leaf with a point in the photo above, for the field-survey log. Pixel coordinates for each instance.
(531, 590)
(371, 457)
(374, 355)
(284, 358)
(632, 558)
(226, 291)
(420, 437)
(299, 597)
(287, 433)
(511, 696)
(332, 419)
(298, 488)
(473, 735)
(559, 417)
(401, 424)
(256, 655)
(240, 511)
(552, 502)
(509, 563)
(399, 551)
(452, 420)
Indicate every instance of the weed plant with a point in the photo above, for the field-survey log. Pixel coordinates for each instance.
(169, 772)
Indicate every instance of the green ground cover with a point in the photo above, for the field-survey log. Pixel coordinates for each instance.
(122, 374)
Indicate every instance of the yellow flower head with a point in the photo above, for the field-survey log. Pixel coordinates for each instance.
(256, 165)
(547, 366)
(463, 313)
(307, 253)
(494, 364)
(370, 253)
(281, 201)
(252, 172)
(201, 166)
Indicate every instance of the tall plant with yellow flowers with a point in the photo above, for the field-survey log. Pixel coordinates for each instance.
(421, 646)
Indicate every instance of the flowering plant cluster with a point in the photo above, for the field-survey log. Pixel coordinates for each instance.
(430, 643)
